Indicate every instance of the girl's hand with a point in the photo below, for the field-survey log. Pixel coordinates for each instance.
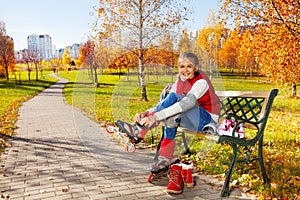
(149, 121)
(140, 116)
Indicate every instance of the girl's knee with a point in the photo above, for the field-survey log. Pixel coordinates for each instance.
(172, 122)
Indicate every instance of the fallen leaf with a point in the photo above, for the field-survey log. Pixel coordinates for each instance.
(26, 194)
(234, 182)
(274, 185)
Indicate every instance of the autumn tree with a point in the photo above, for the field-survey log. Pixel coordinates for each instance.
(126, 60)
(105, 52)
(207, 44)
(167, 43)
(29, 57)
(277, 41)
(35, 59)
(246, 54)
(228, 54)
(7, 57)
(184, 44)
(156, 57)
(152, 57)
(85, 49)
(66, 57)
(141, 22)
(55, 64)
(237, 52)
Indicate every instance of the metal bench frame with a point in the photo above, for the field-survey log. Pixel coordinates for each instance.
(247, 107)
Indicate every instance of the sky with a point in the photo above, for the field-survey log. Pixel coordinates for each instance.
(69, 21)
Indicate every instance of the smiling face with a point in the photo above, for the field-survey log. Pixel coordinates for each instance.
(186, 68)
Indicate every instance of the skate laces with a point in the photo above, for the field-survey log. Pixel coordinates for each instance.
(133, 129)
(161, 163)
(140, 129)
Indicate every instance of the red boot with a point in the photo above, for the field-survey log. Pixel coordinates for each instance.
(176, 182)
(187, 174)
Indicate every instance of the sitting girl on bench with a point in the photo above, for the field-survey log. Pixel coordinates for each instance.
(191, 103)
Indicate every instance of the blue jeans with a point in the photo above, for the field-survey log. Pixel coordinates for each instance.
(195, 118)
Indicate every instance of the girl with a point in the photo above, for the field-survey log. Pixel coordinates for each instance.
(191, 103)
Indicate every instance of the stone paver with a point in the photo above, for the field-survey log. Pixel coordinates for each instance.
(59, 153)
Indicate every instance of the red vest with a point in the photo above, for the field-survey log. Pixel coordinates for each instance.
(209, 101)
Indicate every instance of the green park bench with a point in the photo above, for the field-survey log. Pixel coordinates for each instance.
(247, 107)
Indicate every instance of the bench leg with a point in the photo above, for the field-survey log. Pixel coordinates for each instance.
(261, 162)
(186, 146)
(225, 190)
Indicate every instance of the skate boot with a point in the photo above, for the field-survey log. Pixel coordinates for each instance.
(175, 181)
(161, 164)
(134, 131)
(161, 168)
(187, 174)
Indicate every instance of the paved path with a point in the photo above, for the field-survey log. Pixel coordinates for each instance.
(59, 153)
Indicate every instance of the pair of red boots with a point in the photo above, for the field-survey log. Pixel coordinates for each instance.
(181, 174)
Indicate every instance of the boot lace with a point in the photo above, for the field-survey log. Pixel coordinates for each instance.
(175, 177)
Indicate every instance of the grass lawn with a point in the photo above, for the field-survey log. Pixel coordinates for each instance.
(119, 98)
(12, 94)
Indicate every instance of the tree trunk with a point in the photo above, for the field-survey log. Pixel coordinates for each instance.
(20, 81)
(141, 52)
(156, 72)
(29, 76)
(138, 75)
(127, 77)
(36, 72)
(91, 73)
(245, 72)
(41, 74)
(28, 71)
(294, 90)
(6, 71)
(96, 77)
(143, 84)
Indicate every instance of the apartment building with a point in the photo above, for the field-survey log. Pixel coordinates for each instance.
(73, 49)
(42, 44)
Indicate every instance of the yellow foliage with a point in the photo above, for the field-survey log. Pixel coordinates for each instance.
(66, 57)
(275, 36)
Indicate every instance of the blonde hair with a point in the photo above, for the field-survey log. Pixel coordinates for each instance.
(191, 57)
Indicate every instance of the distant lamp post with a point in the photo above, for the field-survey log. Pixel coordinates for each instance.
(220, 46)
(210, 39)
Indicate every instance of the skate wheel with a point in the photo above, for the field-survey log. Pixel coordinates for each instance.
(110, 128)
(150, 178)
(130, 148)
